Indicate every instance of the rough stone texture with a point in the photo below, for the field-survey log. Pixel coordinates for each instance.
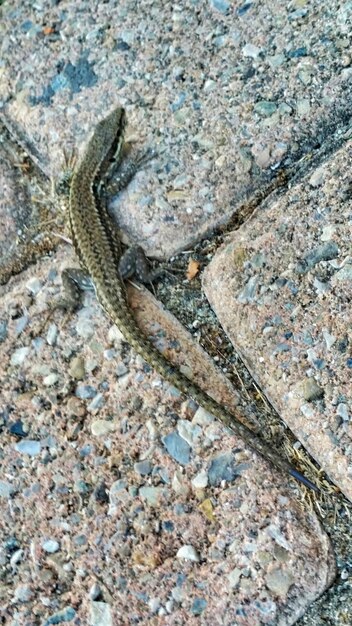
(102, 462)
(104, 514)
(282, 289)
(225, 92)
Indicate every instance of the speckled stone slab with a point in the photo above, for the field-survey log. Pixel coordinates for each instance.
(225, 92)
(122, 502)
(283, 290)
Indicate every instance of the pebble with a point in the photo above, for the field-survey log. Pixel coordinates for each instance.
(154, 604)
(321, 288)
(276, 60)
(117, 493)
(279, 581)
(6, 489)
(326, 252)
(328, 232)
(265, 108)
(17, 557)
(100, 428)
(311, 390)
(244, 8)
(121, 370)
(297, 15)
(20, 355)
(222, 467)
(34, 285)
(143, 468)
(29, 446)
(23, 593)
(233, 577)
(85, 328)
(189, 553)
(303, 107)
(200, 481)
(329, 339)
(182, 180)
(115, 335)
(152, 429)
(317, 179)
(100, 614)
(97, 402)
(307, 411)
(66, 615)
(52, 334)
(203, 417)
(77, 368)
(85, 392)
(21, 324)
(177, 447)
(221, 5)
(344, 274)
(3, 330)
(305, 77)
(342, 411)
(251, 51)
(51, 379)
(101, 494)
(95, 592)
(151, 494)
(180, 484)
(110, 354)
(198, 606)
(249, 291)
(18, 429)
(285, 109)
(188, 431)
(82, 487)
(51, 546)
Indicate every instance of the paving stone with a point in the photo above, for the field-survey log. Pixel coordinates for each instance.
(242, 90)
(226, 94)
(276, 291)
(181, 541)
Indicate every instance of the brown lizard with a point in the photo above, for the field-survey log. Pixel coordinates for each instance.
(98, 247)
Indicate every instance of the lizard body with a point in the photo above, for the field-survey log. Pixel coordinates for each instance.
(99, 250)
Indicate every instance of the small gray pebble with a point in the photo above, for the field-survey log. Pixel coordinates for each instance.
(52, 334)
(221, 5)
(23, 593)
(311, 390)
(85, 392)
(3, 330)
(34, 285)
(222, 467)
(342, 411)
(100, 614)
(97, 402)
(6, 489)
(265, 108)
(177, 447)
(28, 446)
(51, 546)
(21, 324)
(20, 355)
(121, 370)
(143, 468)
(66, 615)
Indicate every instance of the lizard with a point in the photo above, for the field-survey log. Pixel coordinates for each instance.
(98, 247)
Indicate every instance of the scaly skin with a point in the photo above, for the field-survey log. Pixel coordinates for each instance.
(99, 250)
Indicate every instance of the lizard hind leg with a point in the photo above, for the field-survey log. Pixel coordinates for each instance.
(122, 171)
